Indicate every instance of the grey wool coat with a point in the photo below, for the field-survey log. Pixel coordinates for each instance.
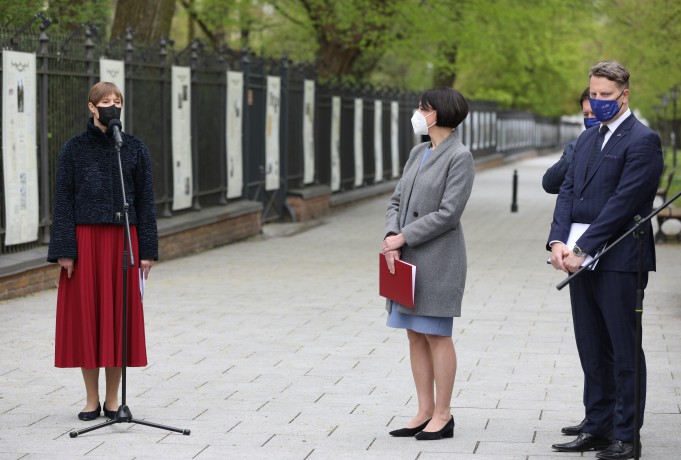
(433, 199)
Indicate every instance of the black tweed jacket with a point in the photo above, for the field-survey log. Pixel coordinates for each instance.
(88, 191)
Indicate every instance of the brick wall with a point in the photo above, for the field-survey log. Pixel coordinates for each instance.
(171, 245)
(198, 239)
(310, 208)
(29, 281)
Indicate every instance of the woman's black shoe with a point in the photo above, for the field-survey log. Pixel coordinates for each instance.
(408, 432)
(447, 431)
(110, 414)
(87, 416)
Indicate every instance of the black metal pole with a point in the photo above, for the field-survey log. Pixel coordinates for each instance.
(640, 237)
(675, 95)
(246, 121)
(129, 90)
(194, 109)
(45, 208)
(284, 124)
(514, 204)
(167, 158)
(89, 56)
(222, 140)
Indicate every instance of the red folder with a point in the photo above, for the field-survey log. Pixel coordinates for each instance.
(400, 286)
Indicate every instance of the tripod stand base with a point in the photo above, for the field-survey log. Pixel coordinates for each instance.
(123, 415)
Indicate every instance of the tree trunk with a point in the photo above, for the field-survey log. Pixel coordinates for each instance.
(335, 59)
(342, 46)
(149, 19)
(444, 75)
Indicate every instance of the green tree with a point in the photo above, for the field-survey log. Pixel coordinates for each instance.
(525, 55)
(66, 15)
(234, 23)
(17, 13)
(349, 36)
(646, 38)
(377, 41)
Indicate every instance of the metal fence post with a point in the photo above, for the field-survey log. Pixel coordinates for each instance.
(194, 64)
(222, 141)
(89, 46)
(129, 89)
(283, 138)
(45, 205)
(247, 100)
(163, 53)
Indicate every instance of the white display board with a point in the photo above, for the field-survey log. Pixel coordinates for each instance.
(272, 133)
(308, 131)
(335, 143)
(19, 147)
(378, 141)
(359, 154)
(114, 71)
(181, 137)
(233, 132)
(394, 138)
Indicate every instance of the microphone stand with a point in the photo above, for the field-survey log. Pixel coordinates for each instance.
(639, 233)
(123, 413)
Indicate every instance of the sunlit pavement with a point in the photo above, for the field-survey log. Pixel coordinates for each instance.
(276, 347)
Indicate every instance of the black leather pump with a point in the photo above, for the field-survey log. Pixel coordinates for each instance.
(446, 431)
(409, 432)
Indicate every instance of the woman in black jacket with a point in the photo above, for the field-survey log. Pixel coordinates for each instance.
(87, 242)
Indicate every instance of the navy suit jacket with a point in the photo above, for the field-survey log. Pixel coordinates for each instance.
(621, 185)
(555, 175)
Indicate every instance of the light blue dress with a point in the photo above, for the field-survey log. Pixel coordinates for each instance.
(433, 325)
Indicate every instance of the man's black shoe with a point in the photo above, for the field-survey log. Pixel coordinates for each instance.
(618, 450)
(575, 430)
(584, 442)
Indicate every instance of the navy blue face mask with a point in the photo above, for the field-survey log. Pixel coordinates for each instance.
(605, 109)
(591, 122)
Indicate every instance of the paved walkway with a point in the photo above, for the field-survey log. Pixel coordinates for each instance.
(276, 348)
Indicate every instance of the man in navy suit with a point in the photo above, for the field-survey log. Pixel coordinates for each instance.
(611, 181)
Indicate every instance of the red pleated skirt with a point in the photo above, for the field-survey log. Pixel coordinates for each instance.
(89, 304)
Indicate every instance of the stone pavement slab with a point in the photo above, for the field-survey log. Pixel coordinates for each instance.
(276, 347)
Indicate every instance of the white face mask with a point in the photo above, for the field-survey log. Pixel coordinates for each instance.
(420, 124)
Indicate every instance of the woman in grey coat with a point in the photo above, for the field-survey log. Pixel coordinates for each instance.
(423, 228)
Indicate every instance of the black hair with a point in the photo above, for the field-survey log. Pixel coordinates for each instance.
(450, 105)
(585, 95)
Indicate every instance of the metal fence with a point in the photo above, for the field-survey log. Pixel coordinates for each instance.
(67, 68)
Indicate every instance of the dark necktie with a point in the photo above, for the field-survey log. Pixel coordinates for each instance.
(598, 146)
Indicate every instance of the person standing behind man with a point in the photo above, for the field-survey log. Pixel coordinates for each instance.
(551, 182)
(554, 176)
(611, 181)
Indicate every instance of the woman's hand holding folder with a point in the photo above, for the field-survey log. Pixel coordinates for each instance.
(390, 258)
(391, 249)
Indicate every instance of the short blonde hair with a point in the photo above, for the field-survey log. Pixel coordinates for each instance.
(613, 71)
(103, 89)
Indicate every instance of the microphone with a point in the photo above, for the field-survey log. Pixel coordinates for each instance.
(115, 127)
